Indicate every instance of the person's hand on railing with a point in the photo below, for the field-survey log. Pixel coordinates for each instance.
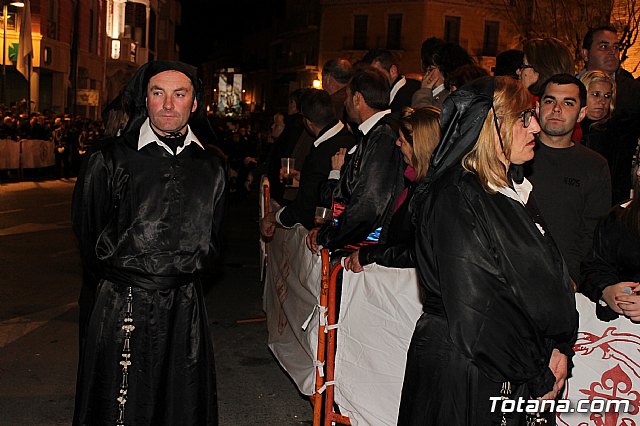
(268, 225)
(611, 293)
(352, 262)
(629, 301)
(312, 240)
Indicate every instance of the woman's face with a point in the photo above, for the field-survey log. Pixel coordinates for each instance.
(599, 100)
(406, 149)
(527, 74)
(523, 139)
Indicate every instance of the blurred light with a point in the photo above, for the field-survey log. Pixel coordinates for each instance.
(317, 84)
(17, 4)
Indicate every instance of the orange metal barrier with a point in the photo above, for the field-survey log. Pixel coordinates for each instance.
(265, 199)
(327, 348)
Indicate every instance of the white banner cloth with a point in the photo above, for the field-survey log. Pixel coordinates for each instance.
(378, 313)
(291, 295)
(9, 154)
(37, 153)
(607, 366)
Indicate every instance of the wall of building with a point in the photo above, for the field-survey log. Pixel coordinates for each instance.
(420, 20)
(337, 29)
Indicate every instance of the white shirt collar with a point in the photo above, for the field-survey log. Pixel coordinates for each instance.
(329, 133)
(520, 191)
(396, 87)
(147, 136)
(436, 91)
(368, 124)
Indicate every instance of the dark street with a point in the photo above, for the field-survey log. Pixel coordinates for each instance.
(39, 287)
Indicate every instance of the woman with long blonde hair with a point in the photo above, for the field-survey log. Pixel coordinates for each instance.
(418, 136)
(499, 316)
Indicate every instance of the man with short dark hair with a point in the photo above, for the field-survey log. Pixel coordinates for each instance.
(331, 135)
(372, 176)
(147, 211)
(401, 88)
(571, 183)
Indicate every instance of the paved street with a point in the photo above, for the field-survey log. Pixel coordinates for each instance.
(39, 285)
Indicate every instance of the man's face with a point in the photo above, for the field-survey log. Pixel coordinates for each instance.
(170, 101)
(559, 109)
(604, 53)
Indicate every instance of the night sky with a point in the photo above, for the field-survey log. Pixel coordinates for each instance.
(209, 26)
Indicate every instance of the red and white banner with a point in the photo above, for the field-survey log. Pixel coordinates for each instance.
(607, 367)
(291, 297)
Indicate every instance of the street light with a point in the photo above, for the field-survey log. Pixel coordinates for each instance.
(5, 4)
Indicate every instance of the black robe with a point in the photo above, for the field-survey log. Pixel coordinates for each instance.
(497, 300)
(148, 221)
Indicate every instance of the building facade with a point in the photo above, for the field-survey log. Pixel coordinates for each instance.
(86, 50)
(351, 27)
(137, 31)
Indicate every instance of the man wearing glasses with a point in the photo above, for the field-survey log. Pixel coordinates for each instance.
(571, 183)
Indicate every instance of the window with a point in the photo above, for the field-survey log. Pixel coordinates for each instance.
(135, 18)
(360, 23)
(12, 18)
(52, 21)
(152, 30)
(452, 29)
(93, 26)
(394, 31)
(491, 34)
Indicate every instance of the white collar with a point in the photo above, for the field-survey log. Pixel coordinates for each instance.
(520, 191)
(394, 90)
(436, 91)
(368, 124)
(147, 136)
(329, 133)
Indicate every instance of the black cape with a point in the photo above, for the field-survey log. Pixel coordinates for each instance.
(497, 300)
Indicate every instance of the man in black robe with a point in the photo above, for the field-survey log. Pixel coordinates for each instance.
(147, 211)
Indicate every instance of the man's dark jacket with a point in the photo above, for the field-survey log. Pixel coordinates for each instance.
(314, 172)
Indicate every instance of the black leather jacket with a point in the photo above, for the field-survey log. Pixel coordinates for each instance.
(369, 183)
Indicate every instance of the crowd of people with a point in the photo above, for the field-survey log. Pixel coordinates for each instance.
(71, 136)
(493, 188)
(507, 193)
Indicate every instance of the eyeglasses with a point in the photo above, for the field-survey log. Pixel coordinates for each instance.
(525, 66)
(526, 117)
